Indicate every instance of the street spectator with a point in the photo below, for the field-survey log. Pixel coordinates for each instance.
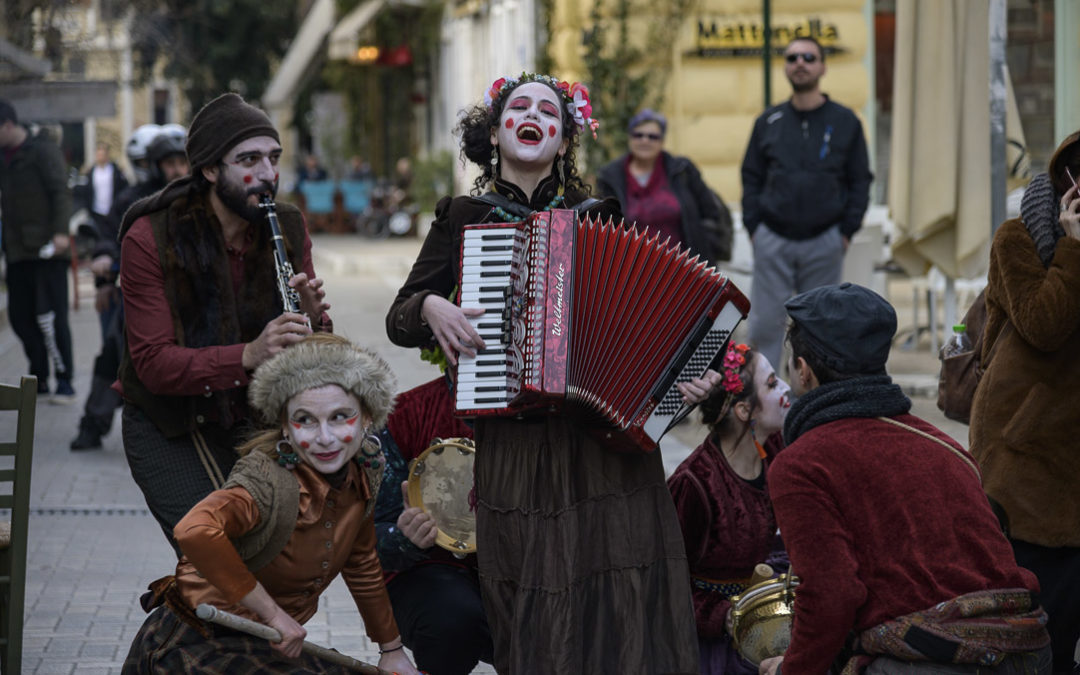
(312, 170)
(36, 206)
(806, 184)
(665, 192)
(1024, 425)
(203, 311)
(723, 502)
(359, 169)
(167, 162)
(257, 547)
(903, 566)
(436, 596)
(104, 181)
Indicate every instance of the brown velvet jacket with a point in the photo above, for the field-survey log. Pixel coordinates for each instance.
(1025, 418)
(438, 266)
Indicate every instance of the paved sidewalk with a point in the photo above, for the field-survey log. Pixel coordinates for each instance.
(93, 545)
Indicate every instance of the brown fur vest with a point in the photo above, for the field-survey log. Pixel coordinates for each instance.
(206, 311)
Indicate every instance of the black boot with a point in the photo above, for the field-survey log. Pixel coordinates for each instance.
(88, 439)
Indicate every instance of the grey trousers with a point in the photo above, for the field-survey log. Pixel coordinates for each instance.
(1032, 663)
(784, 268)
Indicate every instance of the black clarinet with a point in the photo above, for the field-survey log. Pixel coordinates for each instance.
(290, 299)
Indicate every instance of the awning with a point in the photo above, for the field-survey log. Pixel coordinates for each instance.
(302, 51)
(343, 39)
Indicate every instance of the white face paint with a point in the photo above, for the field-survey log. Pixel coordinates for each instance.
(774, 399)
(325, 426)
(530, 127)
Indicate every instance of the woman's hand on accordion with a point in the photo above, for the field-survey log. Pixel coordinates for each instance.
(415, 524)
(450, 326)
(699, 388)
(311, 295)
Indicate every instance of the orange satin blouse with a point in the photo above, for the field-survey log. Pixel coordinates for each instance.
(329, 538)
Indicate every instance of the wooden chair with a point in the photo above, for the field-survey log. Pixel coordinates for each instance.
(13, 533)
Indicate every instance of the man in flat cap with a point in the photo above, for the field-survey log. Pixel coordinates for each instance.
(202, 306)
(884, 517)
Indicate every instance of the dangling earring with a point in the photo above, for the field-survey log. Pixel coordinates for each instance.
(287, 457)
(371, 459)
(494, 161)
(760, 450)
(560, 166)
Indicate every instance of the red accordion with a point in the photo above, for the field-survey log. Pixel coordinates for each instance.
(591, 319)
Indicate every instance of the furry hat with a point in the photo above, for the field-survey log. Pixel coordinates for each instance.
(321, 359)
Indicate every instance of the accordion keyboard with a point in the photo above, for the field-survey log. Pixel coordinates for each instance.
(486, 381)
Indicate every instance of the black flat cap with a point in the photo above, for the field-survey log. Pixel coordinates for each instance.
(851, 326)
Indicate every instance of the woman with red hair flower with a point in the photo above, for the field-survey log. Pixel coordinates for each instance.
(582, 566)
(723, 503)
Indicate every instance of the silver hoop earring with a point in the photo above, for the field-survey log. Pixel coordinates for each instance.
(370, 459)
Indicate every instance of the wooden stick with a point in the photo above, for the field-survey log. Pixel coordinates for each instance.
(239, 623)
(761, 573)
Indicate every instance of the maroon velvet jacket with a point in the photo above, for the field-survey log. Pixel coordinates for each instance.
(880, 522)
(727, 524)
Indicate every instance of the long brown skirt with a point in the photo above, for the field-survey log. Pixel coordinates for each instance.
(582, 564)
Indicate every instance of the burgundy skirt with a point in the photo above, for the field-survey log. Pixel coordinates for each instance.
(582, 563)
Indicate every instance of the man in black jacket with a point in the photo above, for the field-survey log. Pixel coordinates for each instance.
(806, 181)
(36, 206)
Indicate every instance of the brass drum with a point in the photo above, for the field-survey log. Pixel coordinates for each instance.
(440, 481)
(761, 618)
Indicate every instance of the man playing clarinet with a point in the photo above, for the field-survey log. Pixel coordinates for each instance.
(203, 308)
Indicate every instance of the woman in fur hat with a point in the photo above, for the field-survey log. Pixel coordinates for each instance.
(293, 514)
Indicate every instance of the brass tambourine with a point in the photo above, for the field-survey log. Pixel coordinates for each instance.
(761, 618)
(440, 481)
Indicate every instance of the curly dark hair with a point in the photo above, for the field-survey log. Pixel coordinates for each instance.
(714, 405)
(478, 121)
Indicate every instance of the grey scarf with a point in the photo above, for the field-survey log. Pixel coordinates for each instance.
(1039, 213)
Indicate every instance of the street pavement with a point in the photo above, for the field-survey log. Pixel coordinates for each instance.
(94, 546)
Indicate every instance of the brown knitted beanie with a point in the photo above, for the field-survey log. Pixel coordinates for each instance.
(220, 125)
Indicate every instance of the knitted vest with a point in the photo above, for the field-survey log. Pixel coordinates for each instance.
(277, 495)
(205, 310)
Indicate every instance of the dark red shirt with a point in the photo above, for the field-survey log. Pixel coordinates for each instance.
(653, 205)
(727, 525)
(161, 364)
(880, 522)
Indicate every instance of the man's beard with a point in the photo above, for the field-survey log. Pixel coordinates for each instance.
(803, 87)
(235, 198)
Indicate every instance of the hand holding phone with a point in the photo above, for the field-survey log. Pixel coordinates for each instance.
(1069, 219)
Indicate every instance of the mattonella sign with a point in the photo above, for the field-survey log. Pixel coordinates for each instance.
(743, 37)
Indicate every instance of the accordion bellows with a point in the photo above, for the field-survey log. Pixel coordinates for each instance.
(590, 319)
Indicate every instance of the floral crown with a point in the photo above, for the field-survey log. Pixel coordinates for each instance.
(733, 362)
(575, 96)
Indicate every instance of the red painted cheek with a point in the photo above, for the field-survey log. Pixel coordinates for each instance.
(552, 131)
(305, 445)
(247, 179)
(509, 124)
(276, 174)
(348, 439)
(296, 425)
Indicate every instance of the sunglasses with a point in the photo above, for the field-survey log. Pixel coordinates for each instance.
(641, 134)
(807, 57)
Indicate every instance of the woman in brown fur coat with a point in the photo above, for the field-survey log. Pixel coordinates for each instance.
(1024, 419)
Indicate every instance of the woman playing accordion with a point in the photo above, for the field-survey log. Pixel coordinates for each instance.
(582, 565)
